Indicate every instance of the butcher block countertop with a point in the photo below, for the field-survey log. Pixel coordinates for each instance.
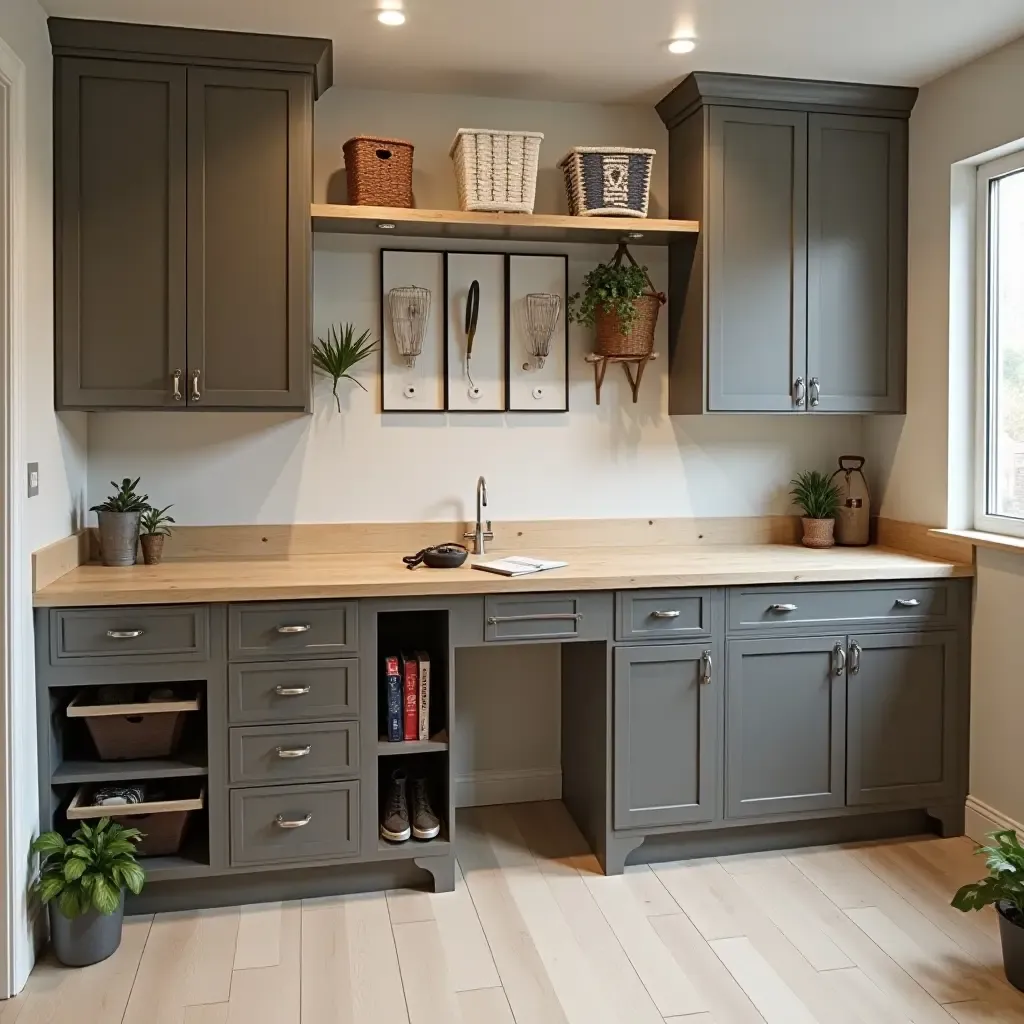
(381, 574)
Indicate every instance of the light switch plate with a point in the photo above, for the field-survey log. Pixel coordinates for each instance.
(33, 479)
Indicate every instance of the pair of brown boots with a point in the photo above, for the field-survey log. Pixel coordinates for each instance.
(396, 826)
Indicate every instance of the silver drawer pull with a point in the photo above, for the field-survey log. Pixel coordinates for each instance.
(493, 620)
(282, 822)
(291, 691)
(782, 607)
(907, 602)
(673, 614)
(124, 634)
(706, 667)
(839, 660)
(855, 650)
(295, 629)
(294, 751)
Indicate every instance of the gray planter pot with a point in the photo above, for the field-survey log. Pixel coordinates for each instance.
(87, 939)
(1011, 934)
(119, 537)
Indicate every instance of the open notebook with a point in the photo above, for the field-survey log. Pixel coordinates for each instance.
(517, 565)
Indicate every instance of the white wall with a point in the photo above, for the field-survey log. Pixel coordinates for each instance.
(57, 444)
(923, 460)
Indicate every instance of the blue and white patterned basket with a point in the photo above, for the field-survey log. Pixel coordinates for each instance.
(607, 180)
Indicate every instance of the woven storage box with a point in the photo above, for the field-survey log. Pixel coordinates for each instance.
(639, 340)
(379, 171)
(496, 172)
(607, 181)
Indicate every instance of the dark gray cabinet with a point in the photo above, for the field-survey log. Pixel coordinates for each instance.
(785, 720)
(666, 735)
(902, 716)
(183, 245)
(794, 297)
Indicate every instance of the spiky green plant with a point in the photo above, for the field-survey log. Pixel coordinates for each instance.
(335, 355)
(1005, 880)
(125, 498)
(89, 872)
(156, 521)
(815, 493)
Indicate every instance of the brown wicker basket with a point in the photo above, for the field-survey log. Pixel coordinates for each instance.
(639, 339)
(379, 171)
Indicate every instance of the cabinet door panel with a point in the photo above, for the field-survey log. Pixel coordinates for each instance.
(120, 250)
(249, 238)
(902, 718)
(757, 259)
(666, 736)
(786, 725)
(857, 255)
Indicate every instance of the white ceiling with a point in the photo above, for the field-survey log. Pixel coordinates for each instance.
(604, 50)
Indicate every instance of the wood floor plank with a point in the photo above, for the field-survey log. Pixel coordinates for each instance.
(649, 891)
(774, 999)
(707, 893)
(408, 906)
(692, 1018)
(272, 995)
(869, 1002)
(841, 877)
(207, 1013)
(470, 964)
(259, 936)
(980, 1012)
(429, 995)
(485, 1006)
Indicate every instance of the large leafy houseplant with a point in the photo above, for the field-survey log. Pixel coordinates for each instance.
(125, 498)
(336, 355)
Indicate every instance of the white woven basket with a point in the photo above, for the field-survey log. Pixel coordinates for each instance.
(496, 172)
(607, 180)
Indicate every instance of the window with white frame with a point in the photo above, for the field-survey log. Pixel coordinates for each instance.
(1000, 442)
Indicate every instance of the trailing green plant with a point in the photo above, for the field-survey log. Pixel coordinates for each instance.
(89, 872)
(156, 521)
(816, 494)
(335, 355)
(611, 288)
(125, 498)
(1005, 881)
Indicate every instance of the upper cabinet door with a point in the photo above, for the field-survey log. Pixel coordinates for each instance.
(757, 259)
(120, 245)
(857, 252)
(249, 238)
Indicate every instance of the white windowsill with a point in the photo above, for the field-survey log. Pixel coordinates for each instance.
(981, 539)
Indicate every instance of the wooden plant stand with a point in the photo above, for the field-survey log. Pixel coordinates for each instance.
(601, 367)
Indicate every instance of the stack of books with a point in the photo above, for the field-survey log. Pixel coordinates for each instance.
(408, 696)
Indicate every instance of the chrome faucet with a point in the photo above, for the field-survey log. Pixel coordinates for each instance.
(480, 534)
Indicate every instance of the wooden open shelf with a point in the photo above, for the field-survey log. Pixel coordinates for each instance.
(437, 742)
(181, 766)
(522, 227)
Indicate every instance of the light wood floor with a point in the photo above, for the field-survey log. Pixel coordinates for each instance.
(534, 934)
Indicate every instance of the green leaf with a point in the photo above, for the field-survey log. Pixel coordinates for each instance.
(48, 842)
(335, 355)
(84, 832)
(49, 888)
(74, 869)
(816, 494)
(69, 904)
(119, 847)
(81, 851)
(133, 876)
(106, 897)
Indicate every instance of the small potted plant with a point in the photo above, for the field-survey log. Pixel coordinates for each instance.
(82, 884)
(818, 498)
(619, 300)
(1003, 888)
(155, 526)
(119, 519)
(335, 355)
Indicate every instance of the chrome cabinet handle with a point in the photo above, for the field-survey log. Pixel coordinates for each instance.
(815, 389)
(907, 602)
(282, 822)
(673, 613)
(493, 620)
(799, 391)
(295, 629)
(854, 657)
(291, 691)
(782, 608)
(286, 752)
(124, 634)
(176, 378)
(839, 659)
(195, 386)
(706, 667)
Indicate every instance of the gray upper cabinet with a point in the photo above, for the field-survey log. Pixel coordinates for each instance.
(666, 735)
(902, 716)
(184, 179)
(793, 298)
(857, 262)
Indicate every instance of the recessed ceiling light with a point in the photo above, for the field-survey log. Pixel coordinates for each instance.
(682, 46)
(391, 17)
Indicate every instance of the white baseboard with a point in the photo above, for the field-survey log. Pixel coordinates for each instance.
(478, 789)
(981, 819)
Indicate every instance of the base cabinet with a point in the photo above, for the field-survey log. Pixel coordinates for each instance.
(666, 735)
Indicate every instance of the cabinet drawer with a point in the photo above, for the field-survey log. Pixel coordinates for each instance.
(143, 635)
(547, 616)
(652, 614)
(294, 753)
(283, 824)
(292, 628)
(771, 608)
(300, 692)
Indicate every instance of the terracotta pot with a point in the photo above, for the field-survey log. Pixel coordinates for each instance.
(818, 532)
(152, 548)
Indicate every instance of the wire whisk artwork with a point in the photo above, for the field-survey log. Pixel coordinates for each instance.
(410, 308)
(542, 313)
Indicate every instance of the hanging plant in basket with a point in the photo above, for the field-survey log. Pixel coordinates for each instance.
(620, 301)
